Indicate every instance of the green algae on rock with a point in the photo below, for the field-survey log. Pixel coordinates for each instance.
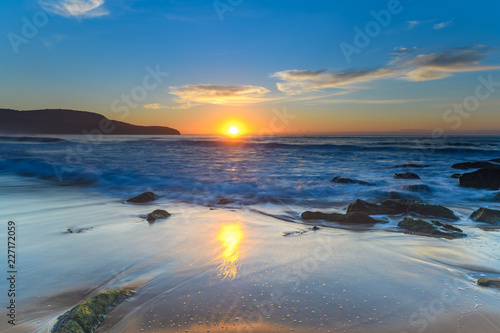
(158, 214)
(434, 228)
(87, 316)
(487, 282)
(486, 215)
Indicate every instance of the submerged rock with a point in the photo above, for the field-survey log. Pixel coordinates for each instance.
(434, 228)
(296, 233)
(416, 188)
(400, 206)
(87, 316)
(406, 175)
(496, 160)
(476, 165)
(343, 180)
(456, 175)
(158, 214)
(352, 218)
(74, 230)
(481, 179)
(487, 282)
(143, 197)
(411, 165)
(490, 216)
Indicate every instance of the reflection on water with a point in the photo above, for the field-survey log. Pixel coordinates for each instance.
(229, 236)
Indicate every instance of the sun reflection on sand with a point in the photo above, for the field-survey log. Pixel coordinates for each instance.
(229, 236)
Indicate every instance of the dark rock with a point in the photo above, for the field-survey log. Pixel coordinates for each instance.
(296, 233)
(422, 188)
(143, 197)
(481, 179)
(411, 165)
(497, 160)
(490, 216)
(73, 230)
(225, 201)
(400, 206)
(406, 175)
(343, 180)
(430, 228)
(158, 214)
(352, 218)
(487, 282)
(87, 316)
(447, 226)
(475, 165)
(456, 175)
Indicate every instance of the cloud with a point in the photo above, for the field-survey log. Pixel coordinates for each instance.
(442, 25)
(75, 8)
(412, 24)
(404, 65)
(300, 81)
(154, 106)
(435, 66)
(193, 95)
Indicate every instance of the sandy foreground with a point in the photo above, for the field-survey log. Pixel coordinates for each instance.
(231, 270)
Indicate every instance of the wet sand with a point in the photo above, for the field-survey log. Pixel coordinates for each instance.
(231, 270)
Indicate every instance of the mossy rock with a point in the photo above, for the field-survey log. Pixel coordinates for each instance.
(87, 316)
(158, 214)
(486, 215)
(487, 282)
(432, 228)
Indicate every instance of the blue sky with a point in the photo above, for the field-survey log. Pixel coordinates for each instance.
(232, 60)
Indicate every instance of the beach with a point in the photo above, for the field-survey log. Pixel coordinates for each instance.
(235, 255)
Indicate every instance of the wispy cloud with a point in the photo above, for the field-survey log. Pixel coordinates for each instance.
(75, 8)
(193, 95)
(405, 65)
(440, 65)
(442, 25)
(412, 24)
(300, 81)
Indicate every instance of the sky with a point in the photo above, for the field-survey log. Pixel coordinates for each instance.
(268, 67)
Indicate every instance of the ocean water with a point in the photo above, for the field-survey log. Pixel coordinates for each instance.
(290, 170)
(220, 261)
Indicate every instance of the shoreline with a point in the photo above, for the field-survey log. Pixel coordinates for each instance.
(217, 265)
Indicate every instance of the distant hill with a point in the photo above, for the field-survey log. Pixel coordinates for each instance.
(56, 121)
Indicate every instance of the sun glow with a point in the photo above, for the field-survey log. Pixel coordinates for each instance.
(233, 130)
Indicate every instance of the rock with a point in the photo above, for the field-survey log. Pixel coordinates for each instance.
(476, 165)
(406, 175)
(481, 179)
(343, 180)
(158, 214)
(487, 282)
(456, 175)
(143, 197)
(73, 230)
(497, 160)
(411, 165)
(422, 188)
(434, 228)
(400, 206)
(352, 218)
(296, 233)
(87, 316)
(490, 216)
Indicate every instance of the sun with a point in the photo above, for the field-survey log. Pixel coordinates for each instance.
(233, 130)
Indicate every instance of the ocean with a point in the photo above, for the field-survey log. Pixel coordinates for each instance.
(221, 261)
(290, 170)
